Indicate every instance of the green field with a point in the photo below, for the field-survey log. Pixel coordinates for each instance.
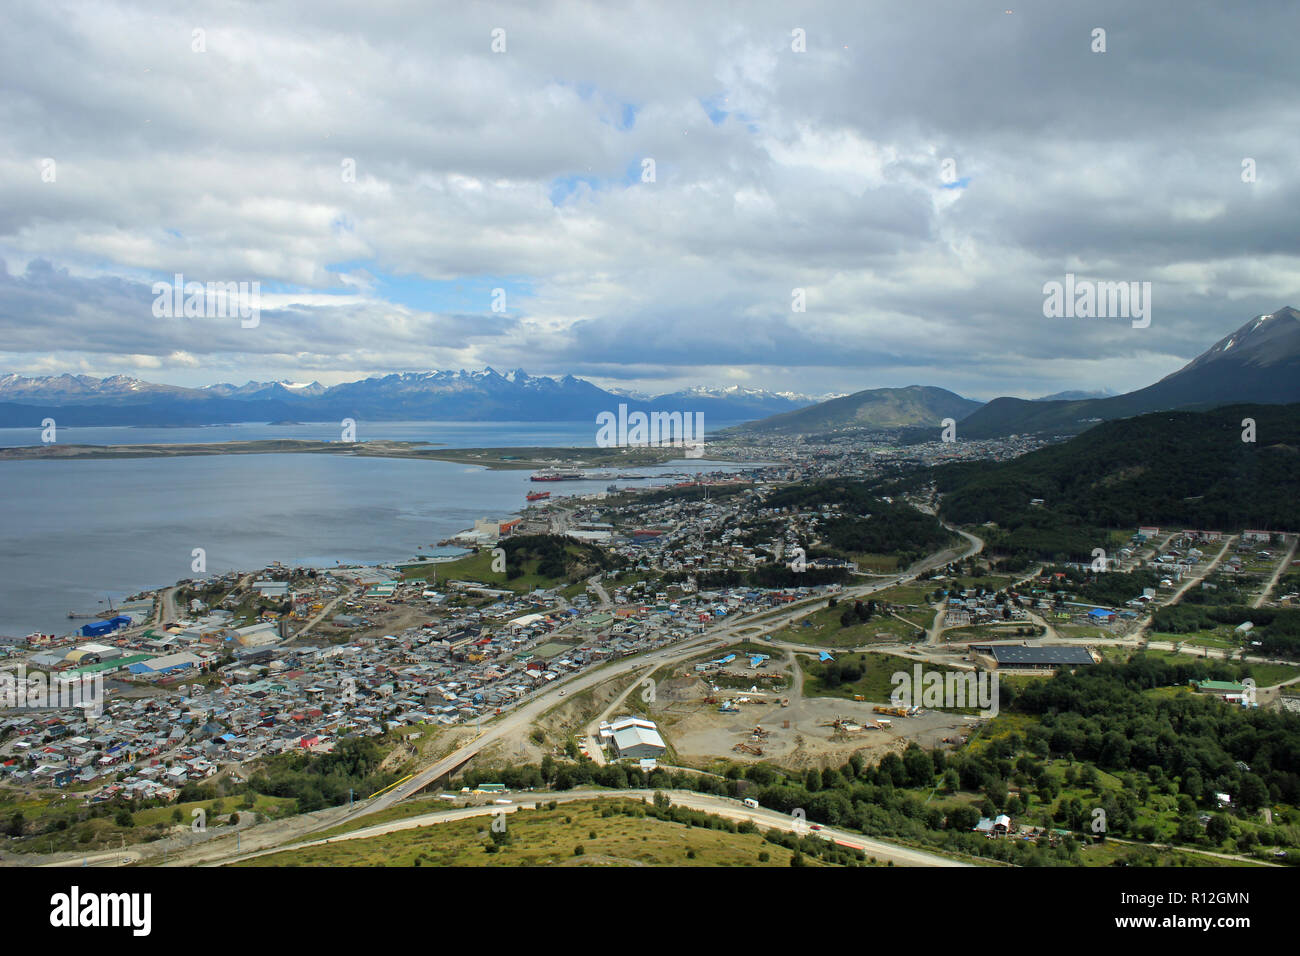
(874, 684)
(478, 567)
(1265, 675)
(52, 825)
(875, 563)
(549, 838)
(905, 594)
(555, 649)
(824, 629)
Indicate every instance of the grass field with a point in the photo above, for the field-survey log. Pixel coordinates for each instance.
(874, 684)
(823, 629)
(905, 594)
(875, 563)
(99, 832)
(1265, 675)
(478, 567)
(549, 838)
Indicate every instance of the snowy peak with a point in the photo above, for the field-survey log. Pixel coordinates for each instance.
(1265, 340)
(459, 395)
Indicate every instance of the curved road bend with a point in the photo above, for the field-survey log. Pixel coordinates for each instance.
(720, 806)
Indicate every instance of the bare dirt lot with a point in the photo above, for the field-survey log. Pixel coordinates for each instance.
(699, 733)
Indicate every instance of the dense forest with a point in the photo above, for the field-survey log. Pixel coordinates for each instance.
(867, 524)
(1190, 468)
(1100, 714)
(1107, 588)
(557, 557)
(1100, 720)
(323, 780)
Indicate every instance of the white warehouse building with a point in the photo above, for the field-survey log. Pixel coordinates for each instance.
(634, 738)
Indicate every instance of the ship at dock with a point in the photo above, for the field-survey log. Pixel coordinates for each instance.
(537, 495)
(553, 475)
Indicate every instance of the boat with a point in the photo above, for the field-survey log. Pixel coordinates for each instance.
(633, 477)
(555, 476)
(537, 495)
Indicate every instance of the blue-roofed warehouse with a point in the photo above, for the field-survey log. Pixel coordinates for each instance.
(100, 628)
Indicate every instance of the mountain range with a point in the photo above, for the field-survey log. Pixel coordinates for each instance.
(487, 395)
(1260, 362)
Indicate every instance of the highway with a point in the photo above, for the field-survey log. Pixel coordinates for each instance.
(517, 721)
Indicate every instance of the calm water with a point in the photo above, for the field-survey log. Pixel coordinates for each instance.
(451, 434)
(73, 533)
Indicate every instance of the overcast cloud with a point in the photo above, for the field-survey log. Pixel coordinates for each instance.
(522, 170)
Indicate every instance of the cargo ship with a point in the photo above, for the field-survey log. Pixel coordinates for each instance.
(537, 495)
(556, 476)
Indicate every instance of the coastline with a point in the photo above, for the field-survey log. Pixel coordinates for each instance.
(497, 459)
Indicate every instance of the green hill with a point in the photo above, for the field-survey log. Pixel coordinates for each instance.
(872, 408)
(1189, 468)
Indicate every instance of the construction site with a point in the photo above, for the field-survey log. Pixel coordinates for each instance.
(704, 721)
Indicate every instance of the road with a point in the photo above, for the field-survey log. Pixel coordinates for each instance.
(1277, 573)
(324, 611)
(1203, 573)
(593, 742)
(517, 721)
(708, 803)
(594, 583)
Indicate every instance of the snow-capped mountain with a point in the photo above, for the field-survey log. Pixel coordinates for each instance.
(75, 388)
(1259, 362)
(459, 395)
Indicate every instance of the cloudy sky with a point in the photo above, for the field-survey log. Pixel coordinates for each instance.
(380, 170)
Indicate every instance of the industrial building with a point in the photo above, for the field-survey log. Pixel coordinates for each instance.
(100, 628)
(1042, 657)
(633, 738)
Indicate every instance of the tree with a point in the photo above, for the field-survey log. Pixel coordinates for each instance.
(1252, 793)
(963, 818)
(1218, 828)
(1189, 831)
